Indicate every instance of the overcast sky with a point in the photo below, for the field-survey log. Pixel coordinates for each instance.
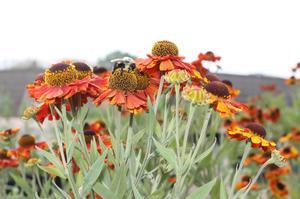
(255, 36)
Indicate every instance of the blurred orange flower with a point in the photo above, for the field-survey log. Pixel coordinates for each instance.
(245, 180)
(254, 133)
(278, 188)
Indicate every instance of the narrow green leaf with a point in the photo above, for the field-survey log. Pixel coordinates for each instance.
(103, 191)
(93, 174)
(223, 194)
(203, 191)
(53, 159)
(52, 170)
(206, 153)
(166, 153)
(23, 184)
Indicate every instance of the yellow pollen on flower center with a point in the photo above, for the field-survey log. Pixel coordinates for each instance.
(82, 70)
(123, 80)
(164, 48)
(142, 80)
(60, 74)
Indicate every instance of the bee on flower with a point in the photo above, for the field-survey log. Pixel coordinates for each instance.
(127, 87)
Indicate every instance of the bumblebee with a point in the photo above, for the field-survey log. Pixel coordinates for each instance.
(125, 64)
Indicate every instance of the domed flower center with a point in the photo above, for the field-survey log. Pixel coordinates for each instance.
(257, 129)
(89, 135)
(99, 70)
(83, 70)
(287, 150)
(212, 77)
(123, 80)
(228, 83)
(60, 74)
(280, 186)
(164, 48)
(246, 179)
(26, 141)
(218, 89)
(3, 154)
(142, 80)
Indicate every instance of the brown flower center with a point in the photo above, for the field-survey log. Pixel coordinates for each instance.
(26, 141)
(3, 154)
(99, 70)
(212, 77)
(218, 89)
(123, 80)
(83, 70)
(256, 129)
(280, 186)
(89, 135)
(60, 74)
(246, 178)
(287, 150)
(164, 48)
(227, 82)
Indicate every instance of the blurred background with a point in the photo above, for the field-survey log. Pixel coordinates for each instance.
(257, 40)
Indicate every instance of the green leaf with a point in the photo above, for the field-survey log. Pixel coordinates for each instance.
(138, 136)
(93, 174)
(203, 191)
(53, 171)
(104, 191)
(206, 153)
(53, 159)
(166, 153)
(94, 154)
(136, 193)
(119, 184)
(23, 184)
(223, 194)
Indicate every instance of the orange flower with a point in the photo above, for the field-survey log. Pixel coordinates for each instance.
(294, 135)
(220, 100)
(245, 180)
(259, 158)
(253, 133)
(164, 58)
(268, 87)
(275, 171)
(27, 144)
(289, 152)
(63, 81)
(99, 127)
(6, 159)
(278, 188)
(208, 56)
(172, 179)
(128, 88)
(272, 115)
(291, 81)
(8, 133)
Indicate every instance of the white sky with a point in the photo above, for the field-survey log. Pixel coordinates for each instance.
(254, 36)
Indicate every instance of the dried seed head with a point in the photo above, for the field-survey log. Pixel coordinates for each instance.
(164, 48)
(257, 129)
(218, 89)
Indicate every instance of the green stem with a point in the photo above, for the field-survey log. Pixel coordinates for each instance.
(238, 171)
(187, 129)
(161, 83)
(270, 161)
(177, 91)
